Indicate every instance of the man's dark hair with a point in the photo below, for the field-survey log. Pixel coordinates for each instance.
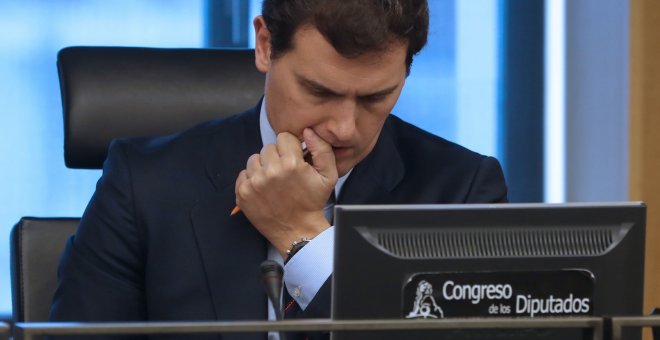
(353, 27)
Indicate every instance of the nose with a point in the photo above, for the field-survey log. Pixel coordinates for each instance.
(343, 124)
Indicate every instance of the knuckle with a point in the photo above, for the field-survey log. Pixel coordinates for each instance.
(268, 148)
(289, 163)
(272, 172)
(259, 182)
(283, 137)
(242, 176)
(254, 159)
(243, 191)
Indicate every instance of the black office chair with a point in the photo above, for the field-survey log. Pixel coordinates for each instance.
(110, 92)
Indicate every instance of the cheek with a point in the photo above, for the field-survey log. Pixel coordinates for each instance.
(371, 123)
(287, 111)
(295, 116)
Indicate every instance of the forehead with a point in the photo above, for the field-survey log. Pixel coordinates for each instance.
(314, 58)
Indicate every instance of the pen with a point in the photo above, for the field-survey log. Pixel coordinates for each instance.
(307, 156)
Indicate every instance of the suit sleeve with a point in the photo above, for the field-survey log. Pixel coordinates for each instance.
(488, 184)
(101, 270)
(319, 308)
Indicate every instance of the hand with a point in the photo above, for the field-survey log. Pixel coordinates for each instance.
(282, 195)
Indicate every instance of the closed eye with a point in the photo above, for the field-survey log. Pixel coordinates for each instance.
(379, 96)
(373, 98)
(316, 89)
(321, 93)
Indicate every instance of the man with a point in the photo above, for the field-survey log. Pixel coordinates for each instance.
(157, 241)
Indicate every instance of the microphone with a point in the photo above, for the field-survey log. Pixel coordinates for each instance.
(271, 278)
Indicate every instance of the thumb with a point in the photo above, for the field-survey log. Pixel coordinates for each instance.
(323, 159)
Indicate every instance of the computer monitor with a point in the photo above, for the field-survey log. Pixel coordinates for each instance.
(513, 260)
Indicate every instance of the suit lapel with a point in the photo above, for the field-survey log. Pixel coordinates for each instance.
(231, 249)
(374, 179)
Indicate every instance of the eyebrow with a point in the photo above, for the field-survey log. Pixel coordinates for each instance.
(317, 87)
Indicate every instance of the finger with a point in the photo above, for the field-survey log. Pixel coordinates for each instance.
(269, 156)
(242, 177)
(255, 172)
(289, 148)
(253, 165)
(323, 158)
(244, 192)
(240, 180)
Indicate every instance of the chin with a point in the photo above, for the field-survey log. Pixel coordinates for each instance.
(343, 169)
(345, 164)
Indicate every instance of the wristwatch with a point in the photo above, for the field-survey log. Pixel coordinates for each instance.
(295, 247)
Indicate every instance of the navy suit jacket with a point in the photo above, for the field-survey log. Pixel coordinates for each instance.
(156, 241)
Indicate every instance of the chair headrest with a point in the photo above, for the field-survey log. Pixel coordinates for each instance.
(110, 92)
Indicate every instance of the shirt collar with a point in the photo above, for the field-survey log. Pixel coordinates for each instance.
(268, 136)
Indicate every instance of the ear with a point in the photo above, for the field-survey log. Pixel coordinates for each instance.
(262, 44)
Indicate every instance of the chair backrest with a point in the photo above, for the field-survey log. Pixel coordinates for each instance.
(35, 248)
(110, 92)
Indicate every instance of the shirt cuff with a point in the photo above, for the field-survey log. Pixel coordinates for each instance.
(310, 267)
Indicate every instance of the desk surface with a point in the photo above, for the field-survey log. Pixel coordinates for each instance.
(28, 330)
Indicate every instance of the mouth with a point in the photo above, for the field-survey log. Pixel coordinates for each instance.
(340, 151)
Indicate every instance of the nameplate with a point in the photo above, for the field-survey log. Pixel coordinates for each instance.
(488, 294)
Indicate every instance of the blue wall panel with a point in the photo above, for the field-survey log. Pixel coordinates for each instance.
(33, 178)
